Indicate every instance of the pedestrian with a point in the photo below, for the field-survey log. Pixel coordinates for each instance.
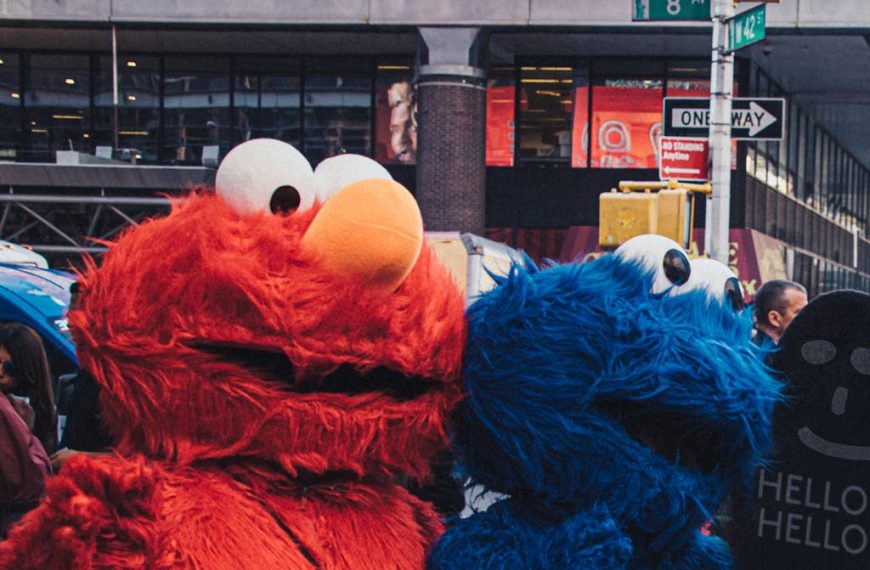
(776, 304)
(25, 374)
(84, 430)
(28, 427)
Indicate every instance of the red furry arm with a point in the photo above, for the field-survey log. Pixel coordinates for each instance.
(99, 513)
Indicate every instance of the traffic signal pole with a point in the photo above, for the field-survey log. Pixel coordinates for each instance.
(721, 92)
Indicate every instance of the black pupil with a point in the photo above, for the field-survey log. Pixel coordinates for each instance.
(733, 294)
(285, 199)
(676, 266)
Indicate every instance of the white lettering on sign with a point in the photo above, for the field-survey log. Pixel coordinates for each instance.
(822, 529)
(756, 118)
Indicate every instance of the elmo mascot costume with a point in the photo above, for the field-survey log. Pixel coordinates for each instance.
(615, 403)
(272, 360)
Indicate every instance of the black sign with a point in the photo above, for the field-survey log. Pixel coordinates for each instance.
(810, 508)
(751, 118)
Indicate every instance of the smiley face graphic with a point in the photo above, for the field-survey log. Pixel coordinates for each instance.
(825, 356)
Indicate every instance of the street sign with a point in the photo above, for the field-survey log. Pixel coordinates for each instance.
(646, 10)
(747, 28)
(684, 159)
(756, 118)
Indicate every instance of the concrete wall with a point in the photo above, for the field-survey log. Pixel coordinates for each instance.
(847, 14)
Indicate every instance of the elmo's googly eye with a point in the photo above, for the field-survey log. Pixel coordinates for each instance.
(660, 255)
(266, 175)
(717, 280)
(334, 173)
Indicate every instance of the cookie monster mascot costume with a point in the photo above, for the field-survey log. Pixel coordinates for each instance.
(272, 360)
(615, 403)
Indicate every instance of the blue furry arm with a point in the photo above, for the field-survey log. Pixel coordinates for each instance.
(495, 539)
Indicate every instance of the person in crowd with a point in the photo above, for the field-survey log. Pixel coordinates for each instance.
(776, 304)
(28, 425)
(26, 375)
(84, 430)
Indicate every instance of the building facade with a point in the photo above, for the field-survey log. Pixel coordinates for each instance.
(504, 117)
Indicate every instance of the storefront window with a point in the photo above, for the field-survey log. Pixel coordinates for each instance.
(395, 114)
(267, 100)
(546, 104)
(626, 122)
(338, 108)
(58, 105)
(197, 107)
(10, 106)
(138, 106)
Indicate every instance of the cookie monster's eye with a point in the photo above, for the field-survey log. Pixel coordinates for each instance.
(660, 256)
(334, 173)
(676, 266)
(734, 294)
(266, 175)
(717, 280)
(818, 351)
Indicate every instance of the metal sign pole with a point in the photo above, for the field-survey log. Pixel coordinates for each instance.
(721, 87)
(115, 118)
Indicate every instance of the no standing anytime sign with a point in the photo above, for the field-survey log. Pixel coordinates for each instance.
(684, 159)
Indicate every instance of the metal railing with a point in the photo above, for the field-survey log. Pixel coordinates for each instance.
(72, 224)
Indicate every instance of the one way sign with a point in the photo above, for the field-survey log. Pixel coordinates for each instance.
(751, 118)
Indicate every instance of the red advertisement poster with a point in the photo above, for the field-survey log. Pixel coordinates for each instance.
(580, 128)
(396, 121)
(626, 127)
(500, 126)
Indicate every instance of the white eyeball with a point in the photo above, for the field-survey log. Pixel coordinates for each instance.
(265, 175)
(717, 280)
(334, 173)
(660, 255)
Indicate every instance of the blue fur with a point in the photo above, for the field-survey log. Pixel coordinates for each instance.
(553, 358)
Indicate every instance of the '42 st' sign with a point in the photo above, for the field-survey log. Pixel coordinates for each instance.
(751, 118)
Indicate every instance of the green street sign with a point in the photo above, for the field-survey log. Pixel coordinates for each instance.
(647, 10)
(747, 28)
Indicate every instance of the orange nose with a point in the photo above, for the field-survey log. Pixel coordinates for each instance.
(371, 230)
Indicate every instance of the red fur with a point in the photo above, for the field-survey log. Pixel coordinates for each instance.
(221, 445)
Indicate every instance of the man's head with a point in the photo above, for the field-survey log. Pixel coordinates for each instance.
(403, 121)
(776, 304)
(74, 295)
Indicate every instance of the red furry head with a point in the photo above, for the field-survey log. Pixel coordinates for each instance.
(216, 334)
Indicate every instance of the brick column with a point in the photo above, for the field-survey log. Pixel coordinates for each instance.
(451, 151)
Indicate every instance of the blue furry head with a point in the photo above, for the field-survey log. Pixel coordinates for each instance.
(585, 388)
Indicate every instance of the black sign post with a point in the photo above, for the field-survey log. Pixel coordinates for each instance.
(752, 119)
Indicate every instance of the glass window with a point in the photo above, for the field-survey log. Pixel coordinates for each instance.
(197, 107)
(689, 78)
(338, 108)
(500, 104)
(138, 105)
(580, 121)
(811, 171)
(395, 114)
(626, 122)
(58, 106)
(546, 103)
(266, 100)
(10, 106)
